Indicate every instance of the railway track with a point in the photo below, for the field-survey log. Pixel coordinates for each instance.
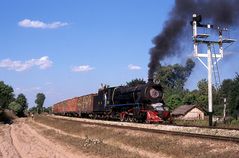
(154, 129)
(207, 127)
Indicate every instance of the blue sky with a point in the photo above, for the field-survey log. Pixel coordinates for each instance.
(68, 48)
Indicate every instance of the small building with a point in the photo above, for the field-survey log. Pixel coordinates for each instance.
(188, 112)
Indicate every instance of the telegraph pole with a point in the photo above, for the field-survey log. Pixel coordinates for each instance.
(202, 39)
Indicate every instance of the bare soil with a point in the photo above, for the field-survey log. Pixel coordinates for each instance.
(50, 137)
(21, 140)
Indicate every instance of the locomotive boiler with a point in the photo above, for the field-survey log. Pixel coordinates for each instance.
(147, 94)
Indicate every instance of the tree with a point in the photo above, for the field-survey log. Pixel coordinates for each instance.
(234, 96)
(33, 109)
(236, 111)
(15, 106)
(135, 82)
(22, 100)
(174, 101)
(202, 101)
(202, 94)
(203, 87)
(40, 98)
(48, 109)
(190, 98)
(174, 76)
(226, 87)
(230, 90)
(6, 95)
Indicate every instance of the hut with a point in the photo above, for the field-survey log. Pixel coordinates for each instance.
(188, 112)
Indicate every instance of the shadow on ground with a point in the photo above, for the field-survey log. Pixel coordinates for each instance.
(7, 116)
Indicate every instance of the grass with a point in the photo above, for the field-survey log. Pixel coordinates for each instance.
(192, 122)
(174, 146)
(100, 149)
(88, 143)
(233, 124)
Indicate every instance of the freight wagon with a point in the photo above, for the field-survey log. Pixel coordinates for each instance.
(78, 106)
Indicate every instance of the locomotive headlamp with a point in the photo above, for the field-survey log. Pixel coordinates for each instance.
(154, 93)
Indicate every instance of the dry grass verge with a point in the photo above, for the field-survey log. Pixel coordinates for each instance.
(151, 144)
(92, 146)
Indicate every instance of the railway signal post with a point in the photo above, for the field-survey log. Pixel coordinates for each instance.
(212, 59)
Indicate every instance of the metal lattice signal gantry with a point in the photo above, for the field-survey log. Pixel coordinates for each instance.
(212, 58)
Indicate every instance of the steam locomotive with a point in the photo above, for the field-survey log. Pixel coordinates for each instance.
(141, 103)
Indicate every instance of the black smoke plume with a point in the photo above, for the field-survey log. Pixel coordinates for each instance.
(167, 43)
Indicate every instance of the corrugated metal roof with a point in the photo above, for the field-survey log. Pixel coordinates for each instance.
(182, 110)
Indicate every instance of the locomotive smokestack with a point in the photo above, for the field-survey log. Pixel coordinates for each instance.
(167, 43)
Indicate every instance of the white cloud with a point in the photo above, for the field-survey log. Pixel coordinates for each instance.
(36, 88)
(27, 90)
(39, 24)
(134, 67)
(229, 53)
(82, 68)
(17, 89)
(42, 63)
(48, 83)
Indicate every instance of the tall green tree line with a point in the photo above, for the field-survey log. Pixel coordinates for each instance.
(19, 104)
(173, 79)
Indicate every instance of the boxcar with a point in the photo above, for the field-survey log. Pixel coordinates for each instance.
(76, 106)
(86, 104)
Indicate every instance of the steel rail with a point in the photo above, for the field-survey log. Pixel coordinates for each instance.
(207, 127)
(159, 131)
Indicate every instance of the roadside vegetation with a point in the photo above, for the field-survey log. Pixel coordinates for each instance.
(173, 79)
(39, 108)
(113, 142)
(11, 106)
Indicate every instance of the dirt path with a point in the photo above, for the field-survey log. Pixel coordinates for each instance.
(112, 142)
(48, 137)
(7, 149)
(120, 143)
(20, 140)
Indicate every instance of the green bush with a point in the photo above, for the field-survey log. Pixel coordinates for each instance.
(235, 122)
(16, 107)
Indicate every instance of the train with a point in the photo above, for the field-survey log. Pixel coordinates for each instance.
(141, 103)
